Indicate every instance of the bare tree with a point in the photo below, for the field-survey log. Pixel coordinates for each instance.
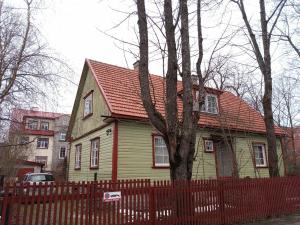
(30, 72)
(179, 131)
(27, 65)
(289, 27)
(263, 59)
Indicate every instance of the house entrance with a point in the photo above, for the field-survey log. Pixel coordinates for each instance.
(224, 159)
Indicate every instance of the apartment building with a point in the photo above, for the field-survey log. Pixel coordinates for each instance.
(41, 136)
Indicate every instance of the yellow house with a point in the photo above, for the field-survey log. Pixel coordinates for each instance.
(111, 138)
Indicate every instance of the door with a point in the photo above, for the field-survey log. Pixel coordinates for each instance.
(224, 159)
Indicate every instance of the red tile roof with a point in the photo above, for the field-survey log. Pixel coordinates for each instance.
(120, 88)
(17, 121)
(19, 114)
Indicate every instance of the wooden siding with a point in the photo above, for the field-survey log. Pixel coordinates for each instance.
(82, 126)
(105, 157)
(135, 154)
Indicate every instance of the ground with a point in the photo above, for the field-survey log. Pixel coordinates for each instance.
(286, 220)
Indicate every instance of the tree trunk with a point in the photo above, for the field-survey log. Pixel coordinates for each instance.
(182, 166)
(270, 130)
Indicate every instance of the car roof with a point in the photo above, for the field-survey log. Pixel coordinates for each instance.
(39, 174)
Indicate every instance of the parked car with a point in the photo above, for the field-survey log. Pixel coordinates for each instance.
(37, 178)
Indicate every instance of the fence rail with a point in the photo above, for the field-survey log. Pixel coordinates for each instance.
(142, 202)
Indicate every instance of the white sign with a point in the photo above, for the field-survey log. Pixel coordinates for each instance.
(112, 196)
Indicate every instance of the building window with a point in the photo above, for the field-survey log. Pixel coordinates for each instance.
(41, 159)
(260, 155)
(208, 145)
(78, 156)
(32, 124)
(161, 155)
(211, 104)
(44, 125)
(88, 105)
(42, 142)
(24, 140)
(62, 153)
(95, 144)
(62, 136)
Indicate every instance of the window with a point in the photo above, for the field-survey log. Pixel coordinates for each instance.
(78, 156)
(161, 155)
(42, 142)
(62, 136)
(42, 159)
(208, 145)
(32, 124)
(260, 155)
(210, 105)
(62, 153)
(24, 140)
(88, 105)
(44, 125)
(95, 143)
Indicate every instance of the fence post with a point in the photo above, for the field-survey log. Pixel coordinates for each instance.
(222, 201)
(152, 208)
(5, 206)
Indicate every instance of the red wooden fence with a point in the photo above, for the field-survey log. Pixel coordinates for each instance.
(159, 203)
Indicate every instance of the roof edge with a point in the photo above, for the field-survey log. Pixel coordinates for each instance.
(99, 85)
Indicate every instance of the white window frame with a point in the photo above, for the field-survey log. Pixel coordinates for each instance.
(44, 160)
(60, 151)
(78, 156)
(43, 123)
(31, 122)
(62, 136)
(263, 148)
(164, 149)
(88, 104)
(43, 142)
(95, 147)
(208, 145)
(206, 104)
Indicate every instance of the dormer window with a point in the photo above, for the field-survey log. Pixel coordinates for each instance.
(88, 104)
(211, 104)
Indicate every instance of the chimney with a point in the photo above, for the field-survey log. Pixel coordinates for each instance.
(195, 80)
(136, 65)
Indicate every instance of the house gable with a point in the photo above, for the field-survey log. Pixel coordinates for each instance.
(80, 124)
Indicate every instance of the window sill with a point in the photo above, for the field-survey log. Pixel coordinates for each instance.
(160, 167)
(78, 168)
(87, 116)
(209, 113)
(41, 148)
(94, 168)
(261, 167)
(209, 151)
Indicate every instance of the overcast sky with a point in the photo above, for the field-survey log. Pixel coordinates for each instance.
(72, 29)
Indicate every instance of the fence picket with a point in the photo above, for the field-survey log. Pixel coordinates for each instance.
(200, 201)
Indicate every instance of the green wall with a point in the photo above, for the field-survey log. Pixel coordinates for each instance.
(82, 126)
(135, 154)
(105, 157)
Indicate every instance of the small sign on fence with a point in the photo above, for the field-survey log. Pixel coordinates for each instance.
(112, 196)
